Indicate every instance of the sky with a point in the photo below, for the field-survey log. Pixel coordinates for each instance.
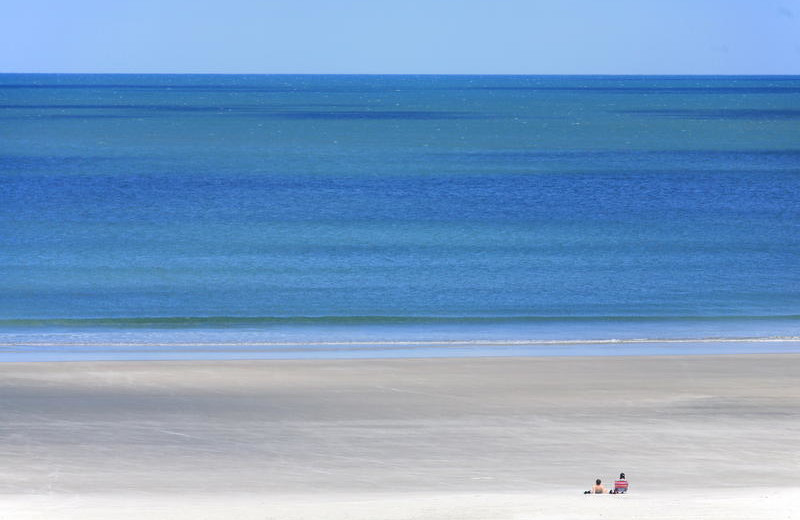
(402, 36)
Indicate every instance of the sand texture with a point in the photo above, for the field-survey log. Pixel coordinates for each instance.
(698, 436)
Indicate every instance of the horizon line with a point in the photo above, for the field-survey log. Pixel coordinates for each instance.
(589, 74)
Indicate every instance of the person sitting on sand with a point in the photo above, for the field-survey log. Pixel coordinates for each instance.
(620, 485)
(598, 487)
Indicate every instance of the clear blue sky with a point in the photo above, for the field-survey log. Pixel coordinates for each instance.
(403, 36)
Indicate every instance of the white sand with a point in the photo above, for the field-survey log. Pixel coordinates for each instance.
(705, 504)
(699, 437)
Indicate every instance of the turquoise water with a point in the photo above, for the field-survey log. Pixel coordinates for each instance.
(262, 216)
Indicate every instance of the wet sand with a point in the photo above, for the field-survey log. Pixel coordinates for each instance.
(709, 436)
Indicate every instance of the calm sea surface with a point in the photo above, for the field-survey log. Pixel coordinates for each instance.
(150, 216)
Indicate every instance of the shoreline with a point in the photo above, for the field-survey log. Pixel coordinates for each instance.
(398, 337)
(21, 350)
(597, 341)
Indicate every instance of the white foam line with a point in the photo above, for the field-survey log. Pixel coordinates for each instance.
(612, 341)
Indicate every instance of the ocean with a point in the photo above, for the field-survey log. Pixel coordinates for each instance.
(302, 216)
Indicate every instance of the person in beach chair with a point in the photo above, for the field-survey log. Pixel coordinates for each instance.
(620, 485)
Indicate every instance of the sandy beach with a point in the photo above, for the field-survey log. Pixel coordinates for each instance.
(698, 437)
